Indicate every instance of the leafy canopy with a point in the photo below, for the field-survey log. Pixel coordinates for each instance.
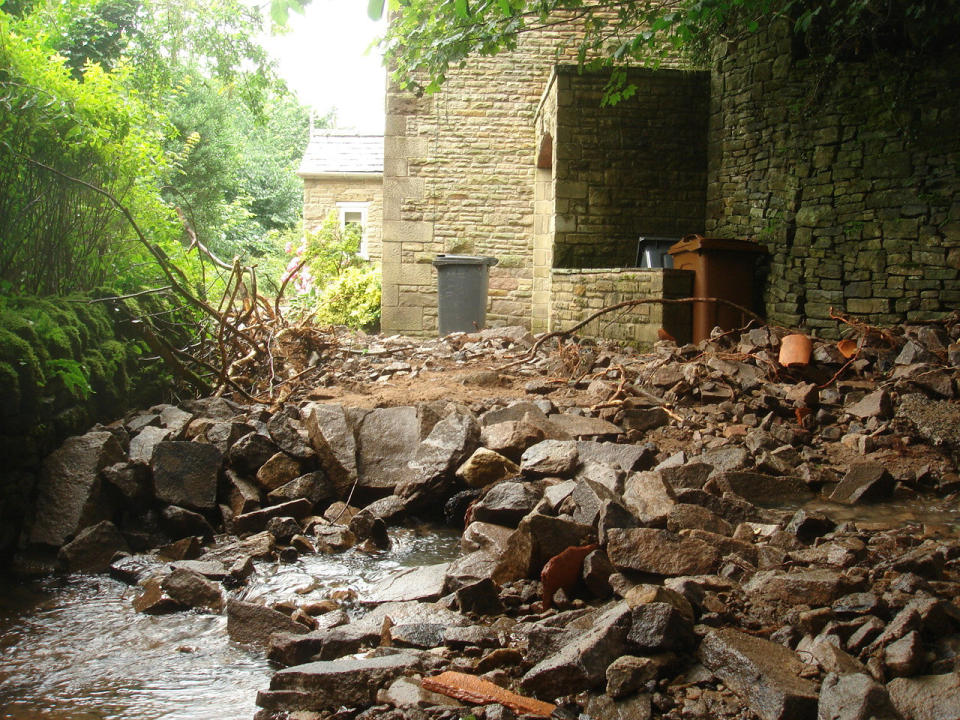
(426, 37)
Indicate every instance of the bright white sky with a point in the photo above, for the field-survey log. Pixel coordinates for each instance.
(324, 59)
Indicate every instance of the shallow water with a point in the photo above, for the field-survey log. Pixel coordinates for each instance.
(72, 648)
(912, 511)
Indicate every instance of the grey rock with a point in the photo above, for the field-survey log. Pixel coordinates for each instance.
(449, 443)
(628, 458)
(582, 663)
(511, 438)
(643, 419)
(725, 459)
(589, 498)
(660, 552)
(629, 673)
(513, 412)
(210, 569)
(506, 503)
(550, 457)
(597, 570)
(185, 473)
(928, 697)
(537, 539)
(225, 434)
(387, 440)
(143, 443)
(324, 685)
(610, 477)
(602, 707)
(314, 486)
(761, 489)
(93, 548)
(937, 421)
(283, 528)
(178, 522)
(485, 536)
(422, 583)
(863, 483)
(175, 420)
(69, 488)
(249, 453)
(765, 675)
(684, 516)
(417, 635)
(278, 470)
(689, 475)
(649, 497)
(581, 426)
(217, 408)
(854, 697)
(906, 656)
(876, 404)
(659, 626)
(253, 623)
(332, 438)
(290, 436)
(133, 481)
(816, 587)
(193, 589)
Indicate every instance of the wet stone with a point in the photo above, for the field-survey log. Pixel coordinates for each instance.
(506, 503)
(253, 623)
(192, 589)
(93, 549)
(863, 483)
(765, 675)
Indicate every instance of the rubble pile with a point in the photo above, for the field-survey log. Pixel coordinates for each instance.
(711, 531)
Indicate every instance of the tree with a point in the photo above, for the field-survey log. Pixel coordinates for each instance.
(426, 38)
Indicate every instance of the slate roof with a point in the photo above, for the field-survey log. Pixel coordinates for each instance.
(339, 151)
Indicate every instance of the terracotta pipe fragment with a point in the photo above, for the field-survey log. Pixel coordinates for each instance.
(795, 350)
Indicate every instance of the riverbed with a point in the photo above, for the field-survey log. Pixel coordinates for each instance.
(73, 648)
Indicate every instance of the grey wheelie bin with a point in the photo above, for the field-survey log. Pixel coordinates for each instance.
(462, 282)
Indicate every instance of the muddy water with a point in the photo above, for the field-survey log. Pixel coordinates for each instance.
(72, 648)
(895, 513)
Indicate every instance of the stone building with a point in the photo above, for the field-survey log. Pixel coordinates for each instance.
(343, 174)
(849, 181)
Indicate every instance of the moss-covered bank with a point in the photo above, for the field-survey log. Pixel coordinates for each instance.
(65, 363)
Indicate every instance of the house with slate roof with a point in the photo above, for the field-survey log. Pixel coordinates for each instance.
(343, 173)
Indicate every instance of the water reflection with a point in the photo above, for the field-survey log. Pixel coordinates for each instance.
(72, 648)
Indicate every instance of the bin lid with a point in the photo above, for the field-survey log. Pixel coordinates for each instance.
(698, 243)
(444, 259)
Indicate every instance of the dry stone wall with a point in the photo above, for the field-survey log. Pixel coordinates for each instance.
(579, 293)
(636, 168)
(850, 180)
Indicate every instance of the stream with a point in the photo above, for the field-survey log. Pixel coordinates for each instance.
(72, 647)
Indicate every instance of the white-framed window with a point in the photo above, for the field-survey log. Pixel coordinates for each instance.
(355, 213)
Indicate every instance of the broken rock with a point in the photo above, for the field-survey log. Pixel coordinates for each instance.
(765, 675)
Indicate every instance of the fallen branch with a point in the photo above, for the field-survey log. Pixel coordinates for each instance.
(627, 303)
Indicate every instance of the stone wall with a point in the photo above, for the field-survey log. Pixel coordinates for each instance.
(636, 168)
(321, 195)
(578, 293)
(849, 178)
(459, 177)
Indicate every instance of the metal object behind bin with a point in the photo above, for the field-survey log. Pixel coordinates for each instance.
(652, 251)
(462, 282)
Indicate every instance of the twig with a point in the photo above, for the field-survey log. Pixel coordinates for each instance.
(628, 303)
(125, 297)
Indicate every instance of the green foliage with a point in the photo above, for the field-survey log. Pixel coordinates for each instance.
(426, 38)
(164, 104)
(351, 299)
(336, 285)
(332, 249)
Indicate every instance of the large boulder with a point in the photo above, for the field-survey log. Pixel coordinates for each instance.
(332, 438)
(387, 440)
(185, 473)
(69, 490)
(93, 548)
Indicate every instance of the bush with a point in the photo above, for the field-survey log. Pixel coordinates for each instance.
(352, 299)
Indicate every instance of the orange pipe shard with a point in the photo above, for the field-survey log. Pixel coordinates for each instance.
(476, 690)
